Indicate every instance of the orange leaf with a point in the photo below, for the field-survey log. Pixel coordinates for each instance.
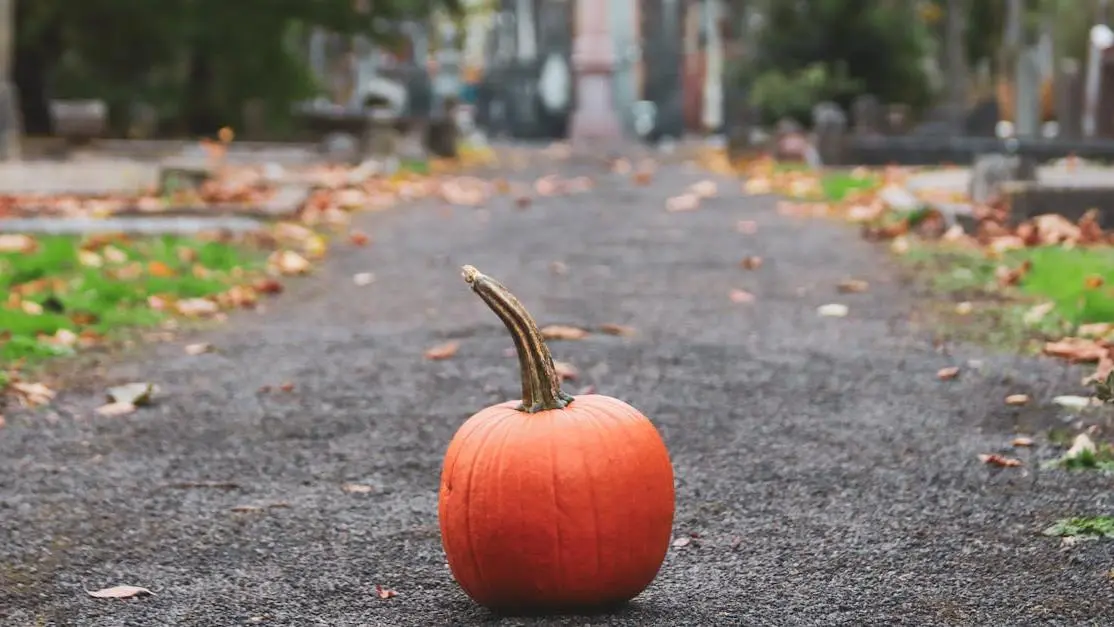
(160, 269)
(999, 460)
(945, 374)
(442, 351)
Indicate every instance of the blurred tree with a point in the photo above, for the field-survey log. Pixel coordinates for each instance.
(863, 46)
(196, 61)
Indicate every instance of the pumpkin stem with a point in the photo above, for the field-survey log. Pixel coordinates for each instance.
(541, 385)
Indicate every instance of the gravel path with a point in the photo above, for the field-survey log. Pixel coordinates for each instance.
(826, 476)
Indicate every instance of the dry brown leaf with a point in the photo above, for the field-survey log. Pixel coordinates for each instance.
(32, 394)
(199, 348)
(946, 374)
(751, 263)
(358, 238)
(196, 307)
(566, 371)
(442, 351)
(119, 592)
(995, 459)
(704, 189)
(1022, 442)
(681, 542)
(964, 308)
(363, 279)
(1076, 349)
(356, 488)
(160, 270)
(17, 243)
(115, 409)
(287, 386)
(684, 202)
(1093, 282)
(852, 286)
(3, 421)
(384, 593)
(740, 296)
(617, 329)
(563, 332)
(288, 262)
(1017, 399)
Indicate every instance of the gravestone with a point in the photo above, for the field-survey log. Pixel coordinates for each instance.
(866, 115)
(829, 123)
(1069, 99)
(898, 118)
(983, 118)
(11, 122)
(991, 172)
(143, 120)
(79, 121)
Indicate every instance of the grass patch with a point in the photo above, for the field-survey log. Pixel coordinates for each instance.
(1002, 316)
(1085, 527)
(840, 185)
(91, 288)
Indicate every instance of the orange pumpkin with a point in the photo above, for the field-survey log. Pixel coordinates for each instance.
(553, 502)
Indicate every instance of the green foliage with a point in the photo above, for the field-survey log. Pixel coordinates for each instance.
(864, 46)
(778, 94)
(1083, 527)
(196, 61)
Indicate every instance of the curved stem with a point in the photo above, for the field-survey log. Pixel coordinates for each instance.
(541, 385)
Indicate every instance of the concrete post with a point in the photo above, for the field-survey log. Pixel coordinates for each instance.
(594, 65)
(11, 126)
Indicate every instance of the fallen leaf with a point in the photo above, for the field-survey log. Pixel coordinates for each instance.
(851, 286)
(384, 593)
(1076, 349)
(740, 296)
(566, 371)
(89, 259)
(747, 227)
(563, 332)
(131, 393)
(1022, 441)
(356, 488)
(288, 262)
(946, 374)
(199, 349)
(684, 202)
(964, 308)
(522, 202)
(1081, 445)
(751, 263)
(17, 243)
(704, 189)
(287, 386)
(442, 351)
(833, 310)
(617, 329)
(1072, 402)
(363, 279)
(995, 459)
(119, 592)
(900, 245)
(268, 286)
(196, 307)
(160, 270)
(32, 394)
(31, 308)
(2, 421)
(1093, 282)
(558, 268)
(1017, 399)
(1037, 313)
(358, 238)
(112, 410)
(682, 542)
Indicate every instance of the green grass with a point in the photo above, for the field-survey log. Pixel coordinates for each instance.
(1057, 274)
(1083, 527)
(98, 301)
(838, 185)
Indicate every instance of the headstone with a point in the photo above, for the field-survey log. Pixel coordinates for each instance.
(143, 120)
(983, 118)
(829, 123)
(866, 115)
(898, 118)
(79, 121)
(990, 172)
(1069, 99)
(11, 122)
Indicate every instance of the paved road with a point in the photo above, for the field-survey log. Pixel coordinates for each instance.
(830, 478)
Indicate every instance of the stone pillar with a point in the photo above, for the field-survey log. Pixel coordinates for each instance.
(11, 126)
(594, 64)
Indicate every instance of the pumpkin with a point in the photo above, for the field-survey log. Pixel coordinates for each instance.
(553, 502)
